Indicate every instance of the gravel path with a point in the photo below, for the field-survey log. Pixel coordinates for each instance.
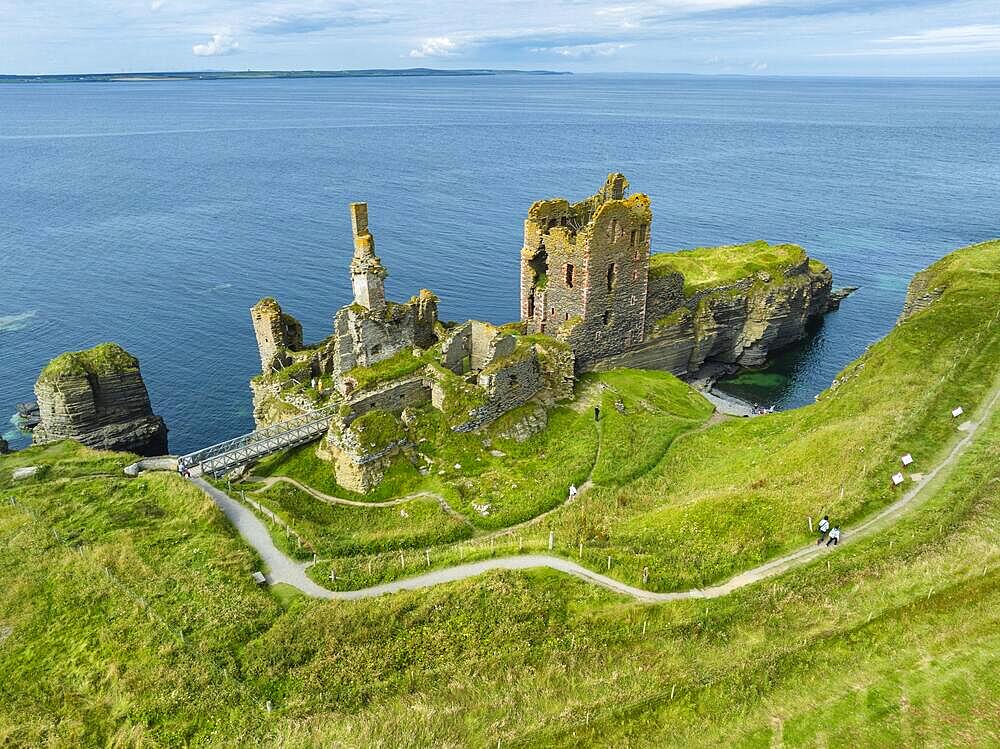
(269, 481)
(285, 570)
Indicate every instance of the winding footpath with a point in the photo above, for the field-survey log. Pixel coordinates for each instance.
(282, 569)
(269, 481)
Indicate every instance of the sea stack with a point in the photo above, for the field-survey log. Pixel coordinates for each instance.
(98, 398)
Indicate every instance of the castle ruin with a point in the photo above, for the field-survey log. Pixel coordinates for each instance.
(585, 268)
(593, 296)
(384, 359)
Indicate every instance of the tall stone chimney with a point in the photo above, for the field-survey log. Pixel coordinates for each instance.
(367, 272)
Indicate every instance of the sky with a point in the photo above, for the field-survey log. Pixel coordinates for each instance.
(746, 37)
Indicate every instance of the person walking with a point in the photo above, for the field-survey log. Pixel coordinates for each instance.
(597, 413)
(824, 526)
(834, 536)
(572, 491)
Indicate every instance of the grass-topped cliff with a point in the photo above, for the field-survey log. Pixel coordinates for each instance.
(129, 617)
(104, 359)
(711, 267)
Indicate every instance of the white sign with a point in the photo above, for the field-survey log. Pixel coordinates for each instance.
(907, 459)
(956, 412)
(897, 479)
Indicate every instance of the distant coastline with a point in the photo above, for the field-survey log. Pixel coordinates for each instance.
(217, 75)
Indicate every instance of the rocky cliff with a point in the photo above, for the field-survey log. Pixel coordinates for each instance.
(730, 305)
(920, 294)
(97, 397)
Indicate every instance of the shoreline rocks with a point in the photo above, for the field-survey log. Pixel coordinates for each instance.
(97, 397)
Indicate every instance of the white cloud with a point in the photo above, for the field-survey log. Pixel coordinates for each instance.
(156, 4)
(947, 40)
(222, 43)
(583, 51)
(758, 67)
(976, 33)
(435, 46)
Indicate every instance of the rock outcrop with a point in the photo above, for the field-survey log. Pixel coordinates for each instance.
(737, 323)
(98, 398)
(920, 295)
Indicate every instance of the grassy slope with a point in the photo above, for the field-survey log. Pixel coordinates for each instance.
(338, 530)
(528, 479)
(896, 639)
(708, 267)
(729, 498)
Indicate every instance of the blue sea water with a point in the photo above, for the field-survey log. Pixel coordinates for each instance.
(155, 214)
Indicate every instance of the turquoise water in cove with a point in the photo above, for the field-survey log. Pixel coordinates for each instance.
(156, 214)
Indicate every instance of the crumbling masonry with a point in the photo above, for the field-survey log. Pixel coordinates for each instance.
(585, 269)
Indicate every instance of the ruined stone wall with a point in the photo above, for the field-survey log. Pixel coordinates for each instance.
(616, 284)
(558, 365)
(394, 397)
(364, 337)
(664, 295)
(357, 467)
(456, 349)
(584, 271)
(276, 333)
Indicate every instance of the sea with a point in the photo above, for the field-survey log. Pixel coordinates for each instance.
(156, 213)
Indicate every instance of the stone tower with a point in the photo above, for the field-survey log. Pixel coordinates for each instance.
(585, 271)
(276, 334)
(367, 272)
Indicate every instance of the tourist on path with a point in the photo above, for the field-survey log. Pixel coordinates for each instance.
(572, 491)
(834, 536)
(597, 413)
(824, 526)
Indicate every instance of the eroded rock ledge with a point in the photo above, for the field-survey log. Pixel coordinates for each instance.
(97, 397)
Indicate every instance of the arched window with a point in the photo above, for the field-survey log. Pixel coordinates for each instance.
(611, 276)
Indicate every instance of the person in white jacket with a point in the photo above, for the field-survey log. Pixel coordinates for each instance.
(824, 526)
(834, 536)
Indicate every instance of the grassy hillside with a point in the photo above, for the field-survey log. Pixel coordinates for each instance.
(709, 267)
(128, 616)
(154, 635)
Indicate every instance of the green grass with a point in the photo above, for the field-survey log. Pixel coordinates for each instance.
(128, 616)
(893, 643)
(378, 429)
(738, 494)
(395, 367)
(103, 359)
(709, 267)
(340, 530)
(657, 409)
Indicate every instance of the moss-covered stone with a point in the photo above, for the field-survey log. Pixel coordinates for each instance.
(104, 359)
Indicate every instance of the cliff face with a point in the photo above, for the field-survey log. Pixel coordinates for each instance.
(737, 322)
(97, 397)
(920, 294)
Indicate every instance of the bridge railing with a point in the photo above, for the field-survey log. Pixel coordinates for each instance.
(230, 453)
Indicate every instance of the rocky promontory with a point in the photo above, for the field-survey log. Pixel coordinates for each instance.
(98, 398)
(730, 306)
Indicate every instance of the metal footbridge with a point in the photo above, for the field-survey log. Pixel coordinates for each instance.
(225, 456)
